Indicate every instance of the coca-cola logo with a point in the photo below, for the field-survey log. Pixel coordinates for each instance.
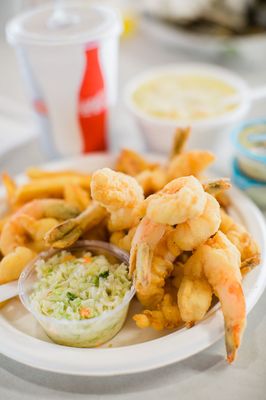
(93, 105)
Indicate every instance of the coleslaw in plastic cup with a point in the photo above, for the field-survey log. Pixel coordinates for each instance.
(90, 332)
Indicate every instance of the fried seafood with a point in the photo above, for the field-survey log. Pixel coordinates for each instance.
(121, 195)
(190, 234)
(192, 162)
(180, 200)
(68, 232)
(77, 196)
(239, 236)
(15, 234)
(156, 244)
(216, 186)
(215, 265)
(180, 141)
(165, 316)
(152, 180)
(123, 239)
(13, 263)
(131, 163)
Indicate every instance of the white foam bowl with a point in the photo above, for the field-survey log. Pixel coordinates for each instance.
(206, 133)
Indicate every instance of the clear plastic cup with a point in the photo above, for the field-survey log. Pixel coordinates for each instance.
(82, 333)
(68, 56)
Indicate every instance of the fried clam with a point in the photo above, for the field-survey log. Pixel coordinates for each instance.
(215, 267)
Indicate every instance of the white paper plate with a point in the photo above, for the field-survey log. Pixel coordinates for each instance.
(133, 350)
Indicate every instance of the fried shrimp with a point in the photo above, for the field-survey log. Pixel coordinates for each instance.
(189, 163)
(180, 200)
(239, 236)
(123, 239)
(215, 266)
(120, 194)
(156, 243)
(14, 233)
(131, 163)
(152, 180)
(66, 233)
(190, 234)
(165, 316)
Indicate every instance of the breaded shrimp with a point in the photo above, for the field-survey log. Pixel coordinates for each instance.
(239, 236)
(158, 243)
(14, 233)
(215, 266)
(190, 234)
(189, 163)
(120, 194)
(131, 163)
(165, 316)
(180, 200)
(123, 239)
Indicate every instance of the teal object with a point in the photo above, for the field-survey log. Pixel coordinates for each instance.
(249, 140)
(254, 189)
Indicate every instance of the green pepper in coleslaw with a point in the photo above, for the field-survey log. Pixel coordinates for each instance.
(78, 287)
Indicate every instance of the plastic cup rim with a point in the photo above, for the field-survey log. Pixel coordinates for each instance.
(114, 250)
(111, 27)
(202, 69)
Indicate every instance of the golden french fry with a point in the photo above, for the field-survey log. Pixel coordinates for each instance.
(11, 188)
(13, 264)
(50, 187)
(77, 196)
(36, 173)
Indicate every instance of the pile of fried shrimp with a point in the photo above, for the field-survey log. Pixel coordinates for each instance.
(186, 252)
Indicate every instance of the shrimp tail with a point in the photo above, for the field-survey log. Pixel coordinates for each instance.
(67, 232)
(144, 256)
(64, 234)
(61, 211)
(232, 340)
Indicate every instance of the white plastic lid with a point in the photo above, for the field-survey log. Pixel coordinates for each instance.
(71, 23)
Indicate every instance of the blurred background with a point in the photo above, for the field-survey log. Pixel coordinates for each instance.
(230, 33)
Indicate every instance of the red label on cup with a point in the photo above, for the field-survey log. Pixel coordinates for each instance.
(92, 111)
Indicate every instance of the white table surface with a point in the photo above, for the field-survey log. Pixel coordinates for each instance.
(204, 376)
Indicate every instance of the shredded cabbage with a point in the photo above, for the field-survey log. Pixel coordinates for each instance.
(76, 288)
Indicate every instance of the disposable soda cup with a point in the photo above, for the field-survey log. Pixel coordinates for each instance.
(68, 57)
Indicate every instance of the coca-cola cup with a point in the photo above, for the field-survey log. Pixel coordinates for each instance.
(68, 56)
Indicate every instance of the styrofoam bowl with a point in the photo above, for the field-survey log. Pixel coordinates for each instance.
(206, 133)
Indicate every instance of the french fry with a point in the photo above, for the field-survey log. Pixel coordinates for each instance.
(36, 173)
(52, 187)
(77, 196)
(10, 187)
